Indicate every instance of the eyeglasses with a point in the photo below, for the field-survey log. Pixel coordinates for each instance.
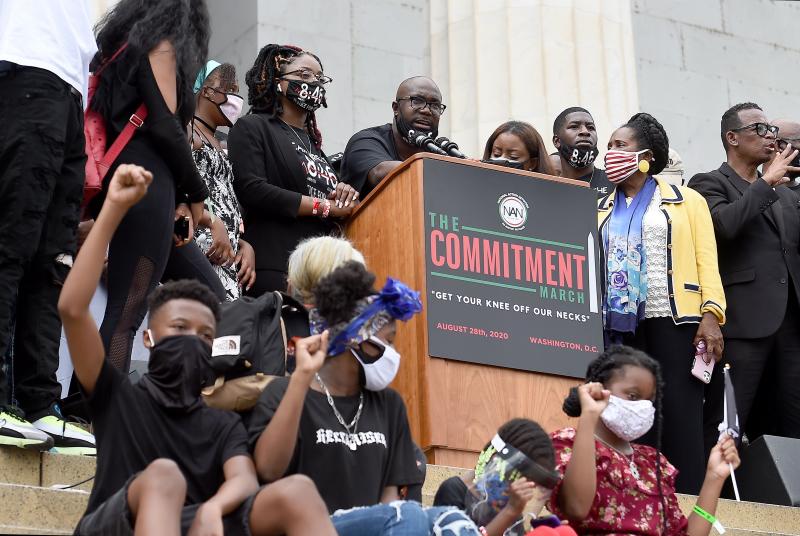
(761, 129)
(309, 76)
(220, 90)
(783, 143)
(419, 103)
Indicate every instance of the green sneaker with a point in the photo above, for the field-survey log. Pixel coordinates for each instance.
(67, 437)
(17, 432)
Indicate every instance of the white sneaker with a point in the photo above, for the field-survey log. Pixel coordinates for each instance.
(17, 432)
(67, 437)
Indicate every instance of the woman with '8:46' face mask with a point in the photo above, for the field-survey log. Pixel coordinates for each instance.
(663, 293)
(613, 485)
(286, 186)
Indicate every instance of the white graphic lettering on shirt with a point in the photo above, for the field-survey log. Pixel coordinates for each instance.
(319, 173)
(353, 441)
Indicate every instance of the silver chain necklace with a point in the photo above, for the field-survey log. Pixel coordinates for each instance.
(354, 423)
(303, 145)
(629, 458)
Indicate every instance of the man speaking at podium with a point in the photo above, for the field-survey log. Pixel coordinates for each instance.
(374, 152)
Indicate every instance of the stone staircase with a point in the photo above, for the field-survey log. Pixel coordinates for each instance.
(32, 500)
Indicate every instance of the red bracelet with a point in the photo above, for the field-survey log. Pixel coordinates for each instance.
(326, 208)
(315, 207)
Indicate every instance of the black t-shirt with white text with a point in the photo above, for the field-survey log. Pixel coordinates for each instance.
(320, 178)
(598, 180)
(352, 470)
(365, 150)
(132, 431)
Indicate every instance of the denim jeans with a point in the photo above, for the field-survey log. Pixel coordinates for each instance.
(403, 518)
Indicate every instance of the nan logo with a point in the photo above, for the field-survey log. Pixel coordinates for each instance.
(513, 211)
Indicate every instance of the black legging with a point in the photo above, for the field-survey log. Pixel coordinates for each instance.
(139, 253)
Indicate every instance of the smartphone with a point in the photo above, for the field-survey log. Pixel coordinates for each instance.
(703, 365)
(182, 228)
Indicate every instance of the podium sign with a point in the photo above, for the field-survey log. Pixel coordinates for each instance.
(512, 270)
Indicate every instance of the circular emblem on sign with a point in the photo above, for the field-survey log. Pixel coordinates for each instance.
(513, 211)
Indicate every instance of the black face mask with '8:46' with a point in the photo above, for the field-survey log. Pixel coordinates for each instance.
(578, 157)
(307, 95)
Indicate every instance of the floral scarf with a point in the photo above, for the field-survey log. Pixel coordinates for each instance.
(395, 301)
(626, 286)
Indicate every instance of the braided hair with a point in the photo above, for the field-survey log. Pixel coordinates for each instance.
(651, 135)
(528, 437)
(603, 369)
(262, 82)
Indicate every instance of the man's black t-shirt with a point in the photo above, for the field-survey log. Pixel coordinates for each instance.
(365, 150)
(349, 471)
(132, 430)
(598, 180)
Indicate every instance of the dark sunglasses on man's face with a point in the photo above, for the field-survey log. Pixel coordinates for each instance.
(761, 129)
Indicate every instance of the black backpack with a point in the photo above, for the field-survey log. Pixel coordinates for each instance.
(251, 347)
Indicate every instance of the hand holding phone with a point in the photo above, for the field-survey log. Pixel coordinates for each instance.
(703, 365)
(182, 228)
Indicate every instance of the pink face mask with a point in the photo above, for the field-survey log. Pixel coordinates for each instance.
(621, 164)
(232, 107)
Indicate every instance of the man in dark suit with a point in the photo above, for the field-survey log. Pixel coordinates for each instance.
(757, 225)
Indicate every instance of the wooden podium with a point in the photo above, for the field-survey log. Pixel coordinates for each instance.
(454, 407)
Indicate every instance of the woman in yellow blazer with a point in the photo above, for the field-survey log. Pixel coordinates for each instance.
(663, 293)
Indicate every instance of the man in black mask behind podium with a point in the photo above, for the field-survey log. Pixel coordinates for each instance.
(374, 152)
(575, 137)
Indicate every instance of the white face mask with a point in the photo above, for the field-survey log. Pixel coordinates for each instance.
(381, 372)
(628, 419)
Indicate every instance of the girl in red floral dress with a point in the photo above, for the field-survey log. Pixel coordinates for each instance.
(613, 486)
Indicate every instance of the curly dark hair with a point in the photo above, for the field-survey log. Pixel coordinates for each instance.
(337, 294)
(603, 369)
(184, 289)
(143, 24)
(224, 74)
(651, 135)
(262, 82)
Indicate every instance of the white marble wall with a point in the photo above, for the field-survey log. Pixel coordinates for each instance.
(696, 58)
(529, 59)
(367, 46)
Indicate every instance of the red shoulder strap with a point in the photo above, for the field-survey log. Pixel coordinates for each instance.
(112, 58)
(135, 121)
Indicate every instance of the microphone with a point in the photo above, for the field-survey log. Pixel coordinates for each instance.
(450, 146)
(424, 141)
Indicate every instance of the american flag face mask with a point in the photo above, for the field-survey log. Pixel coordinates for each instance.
(622, 164)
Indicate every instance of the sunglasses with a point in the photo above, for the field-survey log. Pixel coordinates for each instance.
(761, 129)
(371, 350)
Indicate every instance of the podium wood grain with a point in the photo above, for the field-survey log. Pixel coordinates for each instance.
(454, 407)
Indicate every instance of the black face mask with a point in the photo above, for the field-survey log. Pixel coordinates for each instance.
(578, 157)
(307, 95)
(404, 127)
(513, 164)
(179, 368)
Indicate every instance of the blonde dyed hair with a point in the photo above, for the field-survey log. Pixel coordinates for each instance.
(313, 259)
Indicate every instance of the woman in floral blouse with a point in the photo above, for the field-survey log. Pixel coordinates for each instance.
(611, 485)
